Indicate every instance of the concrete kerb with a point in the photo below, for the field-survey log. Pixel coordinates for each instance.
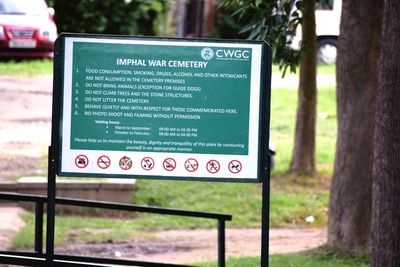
(113, 190)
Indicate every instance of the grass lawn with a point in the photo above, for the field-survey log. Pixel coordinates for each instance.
(26, 68)
(314, 258)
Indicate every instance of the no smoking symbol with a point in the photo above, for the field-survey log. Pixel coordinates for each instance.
(213, 166)
(191, 165)
(81, 161)
(103, 162)
(147, 163)
(169, 164)
(235, 166)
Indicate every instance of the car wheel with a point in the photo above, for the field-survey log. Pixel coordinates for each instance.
(327, 50)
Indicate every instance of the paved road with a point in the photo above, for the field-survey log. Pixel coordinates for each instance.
(25, 113)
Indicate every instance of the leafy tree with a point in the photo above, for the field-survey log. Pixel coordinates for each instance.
(273, 21)
(386, 174)
(276, 22)
(349, 221)
(141, 17)
(303, 157)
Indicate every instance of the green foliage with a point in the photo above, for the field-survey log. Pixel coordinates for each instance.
(274, 22)
(228, 26)
(139, 17)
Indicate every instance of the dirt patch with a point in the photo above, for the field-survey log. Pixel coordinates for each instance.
(10, 224)
(199, 245)
(14, 166)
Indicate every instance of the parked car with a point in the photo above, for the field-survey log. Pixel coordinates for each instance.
(27, 29)
(327, 20)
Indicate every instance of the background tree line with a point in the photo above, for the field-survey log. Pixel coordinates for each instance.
(368, 93)
(134, 17)
(364, 203)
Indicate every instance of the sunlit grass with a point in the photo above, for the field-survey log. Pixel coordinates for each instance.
(26, 68)
(314, 258)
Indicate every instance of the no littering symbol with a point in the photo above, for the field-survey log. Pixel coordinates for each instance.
(125, 163)
(169, 164)
(103, 162)
(235, 166)
(147, 163)
(191, 165)
(81, 161)
(213, 166)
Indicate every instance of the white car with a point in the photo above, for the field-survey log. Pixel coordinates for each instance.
(327, 20)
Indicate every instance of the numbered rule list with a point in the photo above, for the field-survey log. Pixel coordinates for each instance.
(159, 98)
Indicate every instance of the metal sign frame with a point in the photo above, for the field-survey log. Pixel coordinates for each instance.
(55, 150)
(258, 115)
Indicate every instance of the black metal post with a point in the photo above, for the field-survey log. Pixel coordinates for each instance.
(39, 227)
(221, 243)
(51, 207)
(265, 224)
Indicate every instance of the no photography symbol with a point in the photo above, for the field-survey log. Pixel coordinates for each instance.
(81, 161)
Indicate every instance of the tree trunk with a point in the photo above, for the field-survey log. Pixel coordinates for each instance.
(349, 221)
(303, 157)
(386, 175)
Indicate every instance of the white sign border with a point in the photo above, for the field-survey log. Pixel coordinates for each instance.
(250, 162)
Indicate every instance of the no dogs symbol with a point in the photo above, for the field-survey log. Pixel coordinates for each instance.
(235, 166)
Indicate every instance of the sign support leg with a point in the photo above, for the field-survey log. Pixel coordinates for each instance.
(265, 224)
(51, 196)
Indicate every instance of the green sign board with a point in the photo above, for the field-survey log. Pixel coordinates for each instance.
(163, 108)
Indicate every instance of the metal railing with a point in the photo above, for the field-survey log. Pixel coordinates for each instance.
(37, 258)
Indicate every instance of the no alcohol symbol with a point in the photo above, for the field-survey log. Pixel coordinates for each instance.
(125, 163)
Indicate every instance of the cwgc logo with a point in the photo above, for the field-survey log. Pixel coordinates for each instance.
(207, 53)
(233, 54)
